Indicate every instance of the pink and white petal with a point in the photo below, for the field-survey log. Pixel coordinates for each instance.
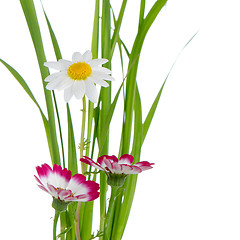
(43, 188)
(110, 158)
(130, 169)
(87, 187)
(89, 161)
(84, 197)
(87, 56)
(108, 163)
(91, 91)
(117, 168)
(68, 93)
(99, 81)
(44, 172)
(96, 62)
(54, 65)
(144, 165)
(38, 180)
(76, 182)
(52, 190)
(63, 193)
(126, 159)
(77, 57)
(61, 177)
(79, 89)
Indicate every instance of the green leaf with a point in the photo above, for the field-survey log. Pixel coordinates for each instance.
(118, 23)
(131, 79)
(24, 85)
(53, 38)
(153, 108)
(124, 206)
(62, 234)
(72, 156)
(32, 21)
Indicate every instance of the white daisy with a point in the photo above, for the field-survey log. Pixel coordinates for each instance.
(79, 76)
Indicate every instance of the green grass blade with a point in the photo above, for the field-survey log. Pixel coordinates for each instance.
(123, 208)
(142, 11)
(151, 112)
(105, 98)
(24, 85)
(86, 214)
(31, 18)
(104, 131)
(72, 157)
(117, 27)
(53, 38)
(131, 80)
(153, 108)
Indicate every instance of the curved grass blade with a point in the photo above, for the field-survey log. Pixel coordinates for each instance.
(24, 85)
(152, 110)
(32, 21)
(131, 79)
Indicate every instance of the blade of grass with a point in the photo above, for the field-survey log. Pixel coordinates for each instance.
(123, 208)
(72, 156)
(117, 27)
(153, 108)
(86, 216)
(131, 80)
(105, 97)
(31, 18)
(24, 85)
(142, 11)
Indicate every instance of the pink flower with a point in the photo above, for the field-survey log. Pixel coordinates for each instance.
(63, 186)
(123, 165)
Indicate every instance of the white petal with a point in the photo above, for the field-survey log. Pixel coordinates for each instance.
(102, 70)
(99, 81)
(102, 76)
(52, 76)
(87, 56)
(97, 62)
(65, 83)
(91, 91)
(79, 89)
(54, 65)
(61, 82)
(77, 57)
(65, 63)
(68, 93)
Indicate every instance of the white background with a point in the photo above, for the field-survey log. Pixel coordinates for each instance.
(193, 191)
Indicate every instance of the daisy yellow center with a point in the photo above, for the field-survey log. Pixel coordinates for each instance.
(79, 71)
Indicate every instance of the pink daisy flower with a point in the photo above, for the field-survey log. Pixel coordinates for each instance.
(63, 186)
(117, 169)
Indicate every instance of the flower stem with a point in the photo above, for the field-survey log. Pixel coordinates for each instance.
(57, 213)
(77, 227)
(110, 214)
(82, 134)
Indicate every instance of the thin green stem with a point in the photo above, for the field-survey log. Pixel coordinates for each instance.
(83, 133)
(110, 214)
(57, 214)
(77, 227)
(59, 127)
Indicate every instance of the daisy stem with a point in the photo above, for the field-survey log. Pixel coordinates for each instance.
(77, 227)
(57, 213)
(82, 133)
